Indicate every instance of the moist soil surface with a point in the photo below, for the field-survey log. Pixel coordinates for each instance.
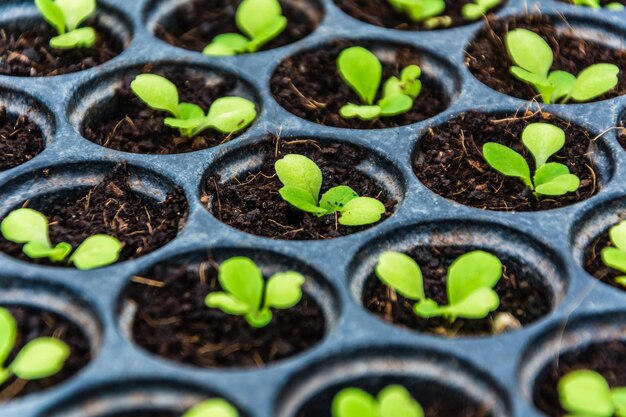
(33, 323)
(110, 208)
(449, 161)
(20, 140)
(173, 321)
(592, 261)
(608, 359)
(252, 203)
(194, 24)
(381, 13)
(487, 58)
(127, 124)
(520, 295)
(309, 86)
(27, 53)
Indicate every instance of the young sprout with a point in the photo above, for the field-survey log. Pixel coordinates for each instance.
(302, 181)
(65, 16)
(39, 358)
(586, 393)
(542, 140)
(479, 8)
(260, 20)
(30, 227)
(215, 407)
(247, 294)
(419, 10)
(470, 282)
(533, 59)
(362, 71)
(615, 257)
(392, 401)
(227, 114)
(595, 4)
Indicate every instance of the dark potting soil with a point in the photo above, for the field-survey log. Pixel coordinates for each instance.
(20, 140)
(26, 52)
(381, 13)
(592, 261)
(487, 58)
(110, 208)
(309, 86)
(127, 124)
(520, 291)
(608, 359)
(33, 323)
(195, 23)
(252, 203)
(173, 321)
(449, 161)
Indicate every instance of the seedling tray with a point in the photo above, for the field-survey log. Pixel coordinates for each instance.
(495, 371)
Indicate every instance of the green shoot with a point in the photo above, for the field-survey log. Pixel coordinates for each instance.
(302, 181)
(392, 401)
(215, 407)
(615, 257)
(586, 393)
(595, 4)
(362, 71)
(533, 59)
(479, 8)
(227, 115)
(419, 10)
(470, 282)
(65, 16)
(247, 294)
(30, 227)
(260, 20)
(542, 140)
(40, 358)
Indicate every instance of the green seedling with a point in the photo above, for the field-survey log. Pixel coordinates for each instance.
(615, 256)
(533, 59)
(215, 407)
(362, 71)
(392, 401)
(40, 358)
(479, 8)
(260, 20)
(586, 393)
(302, 181)
(470, 282)
(30, 227)
(227, 115)
(247, 294)
(595, 4)
(65, 16)
(419, 10)
(542, 140)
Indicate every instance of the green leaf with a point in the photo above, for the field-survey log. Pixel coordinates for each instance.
(352, 111)
(275, 28)
(300, 172)
(227, 303)
(190, 111)
(529, 51)
(506, 161)
(563, 83)
(541, 83)
(78, 38)
(40, 358)
(183, 124)
(57, 254)
(618, 397)
(8, 334)
(218, 49)
(76, 11)
(585, 392)
(396, 401)
(427, 309)
(254, 16)
(362, 71)
(614, 258)
(241, 277)
(284, 290)
(411, 85)
(423, 9)
(559, 185)
(96, 251)
(395, 105)
(615, 7)
(52, 14)
(472, 11)
(227, 44)
(401, 273)
(543, 140)
(259, 319)
(301, 199)
(337, 197)
(470, 272)
(392, 87)
(26, 225)
(617, 234)
(549, 172)
(354, 402)
(476, 305)
(215, 407)
(156, 92)
(231, 114)
(594, 81)
(360, 211)
(621, 280)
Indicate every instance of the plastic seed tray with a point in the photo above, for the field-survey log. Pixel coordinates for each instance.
(497, 372)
